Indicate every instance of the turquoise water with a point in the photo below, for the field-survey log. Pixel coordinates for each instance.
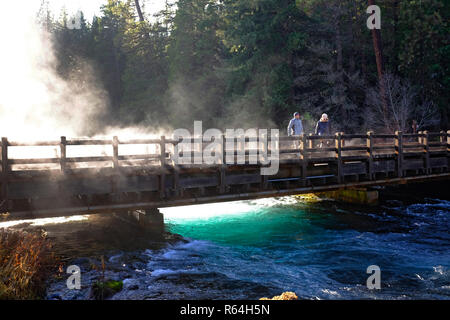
(318, 250)
(254, 249)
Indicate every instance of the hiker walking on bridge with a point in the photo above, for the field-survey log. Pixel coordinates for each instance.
(323, 128)
(295, 126)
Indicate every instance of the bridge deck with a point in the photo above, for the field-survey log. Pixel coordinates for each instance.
(90, 176)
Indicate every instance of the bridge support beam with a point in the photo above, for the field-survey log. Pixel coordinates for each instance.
(149, 218)
(353, 196)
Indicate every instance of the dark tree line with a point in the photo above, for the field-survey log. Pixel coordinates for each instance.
(245, 63)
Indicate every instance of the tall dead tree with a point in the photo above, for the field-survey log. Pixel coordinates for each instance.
(139, 11)
(378, 48)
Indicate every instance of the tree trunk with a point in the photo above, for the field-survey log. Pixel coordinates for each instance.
(139, 11)
(340, 68)
(377, 46)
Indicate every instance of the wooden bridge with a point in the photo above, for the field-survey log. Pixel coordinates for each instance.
(121, 180)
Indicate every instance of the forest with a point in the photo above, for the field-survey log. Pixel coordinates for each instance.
(253, 63)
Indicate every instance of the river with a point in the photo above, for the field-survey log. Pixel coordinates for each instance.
(252, 249)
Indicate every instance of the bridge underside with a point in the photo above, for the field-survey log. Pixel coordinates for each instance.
(48, 193)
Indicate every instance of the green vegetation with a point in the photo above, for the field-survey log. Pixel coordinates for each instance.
(104, 289)
(246, 63)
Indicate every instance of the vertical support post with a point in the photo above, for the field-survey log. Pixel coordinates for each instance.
(116, 152)
(310, 144)
(162, 179)
(115, 176)
(162, 147)
(176, 169)
(419, 139)
(448, 142)
(304, 157)
(5, 170)
(426, 147)
(222, 172)
(443, 137)
(338, 142)
(224, 150)
(370, 154)
(265, 148)
(399, 152)
(265, 159)
(242, 148)
(63, 148)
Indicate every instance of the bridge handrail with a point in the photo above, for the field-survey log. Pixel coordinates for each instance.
(307, 146)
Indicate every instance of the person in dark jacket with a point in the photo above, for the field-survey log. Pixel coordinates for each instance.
(323, 128)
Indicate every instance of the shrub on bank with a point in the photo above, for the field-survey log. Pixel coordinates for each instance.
(26, 261)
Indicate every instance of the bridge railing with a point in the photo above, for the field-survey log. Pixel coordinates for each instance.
(163, 151)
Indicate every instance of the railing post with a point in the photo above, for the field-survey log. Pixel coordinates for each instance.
(63, 147)
(222, 174)
(224, 149)
(310, 144)
(426, 147)
(265, 148)
(304, 157)
(448, 142)
(116, 152)
(5, 171)
(162, 180)
(399, 152)
(338, 144)
(162, 145)
(370, 154)
(443, 137)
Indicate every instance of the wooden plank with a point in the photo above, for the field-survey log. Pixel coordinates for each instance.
(384, 166)
(141, 157)
(240, 179)
(34, 161)
(201, 181)
(137, 183)
(318, 150)
(413, 164)
(439, 162)
(34, 144)
(354, 148)
(354, 168)
(89, 159)
(384, 136)
(88, 142)
(317, 137)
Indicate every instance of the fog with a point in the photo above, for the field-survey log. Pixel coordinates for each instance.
(35, 102)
